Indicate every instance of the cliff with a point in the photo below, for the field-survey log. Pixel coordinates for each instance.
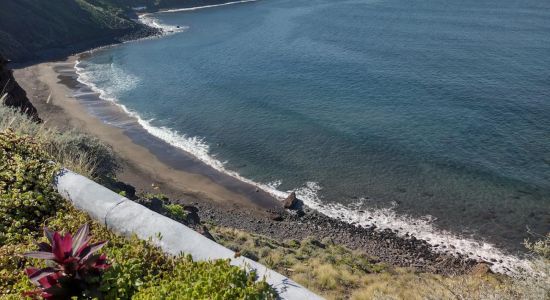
(12, 94)
(37, 29)
(33, 30)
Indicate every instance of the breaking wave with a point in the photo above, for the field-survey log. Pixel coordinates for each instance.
(309, 193)
(385, 218)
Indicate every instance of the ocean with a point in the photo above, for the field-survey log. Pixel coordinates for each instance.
(427, 117)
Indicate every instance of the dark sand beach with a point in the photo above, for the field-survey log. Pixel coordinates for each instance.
(152, 165)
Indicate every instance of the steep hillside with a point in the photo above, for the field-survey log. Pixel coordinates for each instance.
(12, 94)
(35, 29)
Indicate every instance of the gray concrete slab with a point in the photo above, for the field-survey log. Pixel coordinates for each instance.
(127, 217)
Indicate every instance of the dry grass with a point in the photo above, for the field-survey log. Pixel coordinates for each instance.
(339, 273)
(76, 151)
(329, 269)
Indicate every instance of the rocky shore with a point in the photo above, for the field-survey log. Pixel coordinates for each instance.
(215, 204)
(288, 219)
(298, 222)
(383, 245)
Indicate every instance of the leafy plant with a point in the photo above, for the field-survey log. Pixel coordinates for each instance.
(27, 196)
(81, 153)
(73, 267)
(176, 212)
(207, 280)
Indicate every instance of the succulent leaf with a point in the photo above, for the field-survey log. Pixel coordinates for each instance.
(80, 238)
(35, 275)
(72, 263)
(40, 254)
(49, 234)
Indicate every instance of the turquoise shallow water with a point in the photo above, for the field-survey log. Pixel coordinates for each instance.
(437, 108)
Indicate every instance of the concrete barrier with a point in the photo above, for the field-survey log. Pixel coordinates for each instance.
(126, 217)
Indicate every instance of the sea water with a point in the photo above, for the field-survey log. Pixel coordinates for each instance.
(427, 117)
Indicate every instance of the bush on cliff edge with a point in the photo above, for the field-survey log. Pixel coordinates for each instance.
(28, 202)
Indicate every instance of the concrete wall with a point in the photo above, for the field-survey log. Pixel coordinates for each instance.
(127, 217)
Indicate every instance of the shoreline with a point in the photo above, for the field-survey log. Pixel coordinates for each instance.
(222, 205)
(63, 112)
(151, 160)
(171, 10)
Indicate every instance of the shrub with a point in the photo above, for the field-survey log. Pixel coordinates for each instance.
(26, 193)
(176, 212)
(12, 277)
(207, 280)
(139, 269)
(28, 201)
(79, 152)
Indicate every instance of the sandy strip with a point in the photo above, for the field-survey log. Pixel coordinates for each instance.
(58, 107)
(220, 199)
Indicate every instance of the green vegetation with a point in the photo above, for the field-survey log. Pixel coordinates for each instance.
(28, 202)
(31, 29)
(34, 27)
(199, 280)
(339, 273)
(26, 196)
(176, 212)
(142, 271)
(329, 269)
(76, 151)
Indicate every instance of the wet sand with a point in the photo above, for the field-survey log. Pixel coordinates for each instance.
(73, 105)
(151, 165)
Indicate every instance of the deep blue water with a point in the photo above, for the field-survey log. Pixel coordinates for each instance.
(436, 107)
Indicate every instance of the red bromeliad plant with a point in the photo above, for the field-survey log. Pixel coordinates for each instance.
(73, 267)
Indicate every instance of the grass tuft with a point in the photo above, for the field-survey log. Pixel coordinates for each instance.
(76, 151)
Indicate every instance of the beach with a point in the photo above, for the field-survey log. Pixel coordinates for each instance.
(64, 112)
(221, 199)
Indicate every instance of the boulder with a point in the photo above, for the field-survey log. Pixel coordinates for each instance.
(191, 208)
(277, 217)
(156, 205)
(192, 217)
(129, 190)
(291, 201)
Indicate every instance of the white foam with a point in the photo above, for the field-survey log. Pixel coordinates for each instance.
(386, 218)
(150, 20)
(203, 7)
(193, 145)
(120, 80)
(421, 228)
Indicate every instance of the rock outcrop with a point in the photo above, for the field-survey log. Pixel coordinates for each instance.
(12, 94)
(38, 30)
(291, 201)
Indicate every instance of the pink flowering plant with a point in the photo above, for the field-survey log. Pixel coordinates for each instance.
(73, 268)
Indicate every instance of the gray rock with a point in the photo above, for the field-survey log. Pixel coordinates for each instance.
(291, 201)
